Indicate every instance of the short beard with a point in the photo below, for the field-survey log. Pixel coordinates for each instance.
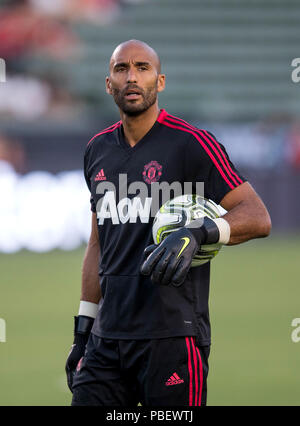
(131, 109)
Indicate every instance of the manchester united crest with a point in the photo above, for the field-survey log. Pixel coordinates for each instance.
(152, 172)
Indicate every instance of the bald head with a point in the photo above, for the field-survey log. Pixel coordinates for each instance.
(136, 50)
(135, 78)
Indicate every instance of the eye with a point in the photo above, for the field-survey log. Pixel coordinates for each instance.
(120, 68)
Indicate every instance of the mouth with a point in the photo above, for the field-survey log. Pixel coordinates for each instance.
(132, 94)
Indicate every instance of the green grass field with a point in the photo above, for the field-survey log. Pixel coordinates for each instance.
(255, 294)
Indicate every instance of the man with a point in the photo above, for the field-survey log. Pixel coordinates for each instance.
(150, 339)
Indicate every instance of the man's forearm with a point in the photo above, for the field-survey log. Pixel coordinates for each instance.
(88, 308)
(90, 288)
(248, 221)
(246, 214)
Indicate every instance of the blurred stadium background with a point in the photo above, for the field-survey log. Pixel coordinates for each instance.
(228, 67)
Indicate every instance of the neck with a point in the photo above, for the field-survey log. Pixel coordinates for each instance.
(136, 127)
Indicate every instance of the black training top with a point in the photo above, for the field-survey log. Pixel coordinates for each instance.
(132, 307)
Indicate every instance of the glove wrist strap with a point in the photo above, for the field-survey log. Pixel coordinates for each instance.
(204, 230)
(83, 324)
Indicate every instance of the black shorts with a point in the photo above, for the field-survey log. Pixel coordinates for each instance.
(160, 372)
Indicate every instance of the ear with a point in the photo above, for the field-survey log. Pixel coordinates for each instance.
(108, 86)
(161, 82)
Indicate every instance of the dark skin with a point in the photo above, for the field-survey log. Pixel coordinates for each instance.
(135, 66)
(135, 80)
(90, 288)
(247, 215)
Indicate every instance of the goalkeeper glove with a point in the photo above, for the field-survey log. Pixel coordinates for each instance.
(82, 329)
(170, 261)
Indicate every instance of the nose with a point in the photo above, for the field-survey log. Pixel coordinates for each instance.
(131, 76)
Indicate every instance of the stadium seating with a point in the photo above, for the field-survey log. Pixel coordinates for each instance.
(216, 55)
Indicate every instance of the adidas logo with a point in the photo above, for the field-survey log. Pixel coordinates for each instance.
(100, 176)
(174, 380)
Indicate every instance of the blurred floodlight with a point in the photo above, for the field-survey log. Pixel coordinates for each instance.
(41, 211)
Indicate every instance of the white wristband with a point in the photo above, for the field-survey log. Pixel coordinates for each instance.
(88, 309)
(224, 230)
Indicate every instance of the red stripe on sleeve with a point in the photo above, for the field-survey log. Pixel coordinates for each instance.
(107, 130)
(223, 154)
(209, 141)
(231, 186)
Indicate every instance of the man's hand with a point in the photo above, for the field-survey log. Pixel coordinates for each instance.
(170, 261)
(82, 329)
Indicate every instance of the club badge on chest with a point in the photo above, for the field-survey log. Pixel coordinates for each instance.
(152, 172)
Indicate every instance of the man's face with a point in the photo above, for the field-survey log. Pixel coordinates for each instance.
(134, 79)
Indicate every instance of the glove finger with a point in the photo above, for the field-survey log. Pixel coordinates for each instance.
(148, 250)
(183, 268)
(181, 272)
(71, 360)
(70, 375)
(152, 259)
(159, 270)
(169, 271)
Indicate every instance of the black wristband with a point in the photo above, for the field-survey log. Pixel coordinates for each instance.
(83, 324)
(204, 230)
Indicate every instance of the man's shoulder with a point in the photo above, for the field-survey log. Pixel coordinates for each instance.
(103, 133)
(182, 126)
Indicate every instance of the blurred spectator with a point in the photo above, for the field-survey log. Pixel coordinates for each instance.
(12, 155)
(30, 39)
(99, 11)
(57, 8)
(24, 98)
(293, 145)
(23, 30)
(28, 98)
(132, 1)
(95, 11)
